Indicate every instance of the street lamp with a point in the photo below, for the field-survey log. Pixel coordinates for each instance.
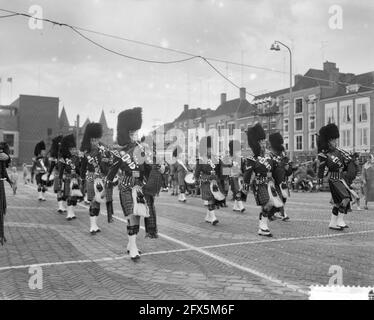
(275, 47)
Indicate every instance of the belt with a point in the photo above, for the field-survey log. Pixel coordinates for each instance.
(336, 175)
(261, 180)
(91, 176)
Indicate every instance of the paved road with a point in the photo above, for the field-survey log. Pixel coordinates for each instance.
(190, 260)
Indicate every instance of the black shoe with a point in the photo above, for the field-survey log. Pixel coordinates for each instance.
(285, 218)
(215, 222)
(93, 233)
(98, 230)
(73, 218)
(242, 210)
(69, 219)
(136, 258)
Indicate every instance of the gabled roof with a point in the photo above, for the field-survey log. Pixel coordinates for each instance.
(86, 123)
(63, 121)
(191, 114)
(103, 120)
(272, 94)
(233, 106)
(365, 80)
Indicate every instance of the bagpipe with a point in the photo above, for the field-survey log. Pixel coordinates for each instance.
(214, 187)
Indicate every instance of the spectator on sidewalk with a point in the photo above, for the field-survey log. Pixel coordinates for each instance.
(25, 172)
(14, 179)
(368, 180)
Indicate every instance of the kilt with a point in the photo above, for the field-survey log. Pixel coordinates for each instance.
(154, 182)
(109, 193)
(151, 222)
(2, 210)
(66, 190)
(180, 176)
(234, 185)
(206, 194)
(338, 191)
(261, 194)
(125, 197)
(56, 184)
(225, 184)
(39, 181)
(2, 198)
(90, 185)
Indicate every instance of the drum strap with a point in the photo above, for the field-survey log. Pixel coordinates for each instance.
(182, 164)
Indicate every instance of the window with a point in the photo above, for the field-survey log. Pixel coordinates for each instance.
(346, 113)
(273, 125)
(299, 142)
(220, 128)
(286, 107)
(363, 136)
(312, 123)
(265, 126)
(345, 138)
(49, 131)
(362, 115)
(286, 143)
(11, 137)
(331, 115)
(312, 107)
(285, 125)
(242, 126)
(231, 128)
(298, 105)
(312, 141)
(298, 124)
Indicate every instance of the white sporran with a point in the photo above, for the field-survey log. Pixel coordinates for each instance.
(284, 190)
(140, 207)
(273, 195)
(99, 190)
(75, 190)
(217, 194)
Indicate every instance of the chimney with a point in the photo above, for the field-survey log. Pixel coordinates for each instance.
(242, 94)
(185, 107)
(223, 98)
(330, 67)
(298, 77)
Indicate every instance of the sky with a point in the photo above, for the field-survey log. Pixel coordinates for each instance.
(55, 61)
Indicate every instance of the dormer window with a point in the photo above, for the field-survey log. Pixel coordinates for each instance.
(352, 88)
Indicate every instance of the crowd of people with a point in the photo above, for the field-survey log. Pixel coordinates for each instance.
(90, 172)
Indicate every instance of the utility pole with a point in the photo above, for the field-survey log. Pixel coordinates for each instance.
(77, 130)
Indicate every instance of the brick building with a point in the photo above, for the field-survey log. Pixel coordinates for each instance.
(30, 119)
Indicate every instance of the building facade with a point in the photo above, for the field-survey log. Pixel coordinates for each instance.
(30, 119)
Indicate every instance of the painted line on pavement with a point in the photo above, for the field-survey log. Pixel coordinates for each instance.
(222, 260)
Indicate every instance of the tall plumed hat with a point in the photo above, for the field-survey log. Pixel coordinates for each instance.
(276, 141)
(38, 148)
(254, 135)
(128, 121)
(67, 142)
(204, 144)
(55, 147)
(325, 134)
(4, 147)
(234, 145)
(94, 130)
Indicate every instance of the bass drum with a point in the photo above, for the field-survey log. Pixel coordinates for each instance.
(189, 178)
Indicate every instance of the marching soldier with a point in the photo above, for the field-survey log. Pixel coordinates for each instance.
(282, 170)
(261, 165)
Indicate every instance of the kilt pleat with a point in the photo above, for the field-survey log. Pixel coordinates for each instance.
(109, 193)
(90, 186)
(2, 209)
(125, 196)
(206, 194)
(151, 222)
(261, 194)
